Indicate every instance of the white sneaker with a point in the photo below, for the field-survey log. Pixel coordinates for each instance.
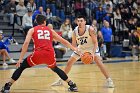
(5, 64)
(109, 83)
(12, 60)
(57, 83)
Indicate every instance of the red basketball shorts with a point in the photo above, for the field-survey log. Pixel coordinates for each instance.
(42, 57)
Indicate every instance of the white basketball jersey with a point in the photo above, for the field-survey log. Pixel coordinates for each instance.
(84, 41)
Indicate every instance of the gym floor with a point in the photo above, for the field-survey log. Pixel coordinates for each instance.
(89, 79)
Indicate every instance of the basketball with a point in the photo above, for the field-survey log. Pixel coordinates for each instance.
(86, 58)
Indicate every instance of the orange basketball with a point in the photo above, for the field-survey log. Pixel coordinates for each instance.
(87, 58)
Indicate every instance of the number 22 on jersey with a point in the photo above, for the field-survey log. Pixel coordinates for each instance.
(43, 34)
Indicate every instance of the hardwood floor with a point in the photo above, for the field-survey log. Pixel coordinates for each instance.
(89, 79)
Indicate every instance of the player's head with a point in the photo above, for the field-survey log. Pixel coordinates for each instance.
(41, 19)
(81, 21)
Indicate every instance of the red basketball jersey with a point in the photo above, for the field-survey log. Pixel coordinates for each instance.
(42, 38)
(43, 49)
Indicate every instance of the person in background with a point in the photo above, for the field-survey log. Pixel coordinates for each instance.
(109, 6)
(74, 24)
(39, 11)
(79, 8)
(108, 18)
(100, 13)
(107, 36)
(135, 43)
(58, 48)
(117, 20)
(94, 25)
(31, 5)
(3, 52)
(101, 44)
(10, 11)
(49, 15)
(66, 30)
(99, 38)
(131, 25)
(21, 11)
(27, 21)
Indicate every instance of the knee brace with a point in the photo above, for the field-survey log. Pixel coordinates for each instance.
(18, 71)
(60, 73)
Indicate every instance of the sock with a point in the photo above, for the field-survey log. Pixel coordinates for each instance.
(70, 83)
(9, 84)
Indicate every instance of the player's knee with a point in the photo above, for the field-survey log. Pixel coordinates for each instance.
(70, 63)
(54, 69)
(24, 64)
(98, 59)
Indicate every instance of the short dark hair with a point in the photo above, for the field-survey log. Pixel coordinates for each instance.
(81, 16)
(40, 19)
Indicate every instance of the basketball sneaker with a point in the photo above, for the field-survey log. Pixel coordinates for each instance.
(12, 60)
(5, 64)
(109, 83)
(58, 83)
(73, 87)
(6, 88)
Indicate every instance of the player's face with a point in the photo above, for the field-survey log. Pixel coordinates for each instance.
(81, 22)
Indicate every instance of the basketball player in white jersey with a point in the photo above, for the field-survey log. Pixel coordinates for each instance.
(85, 37)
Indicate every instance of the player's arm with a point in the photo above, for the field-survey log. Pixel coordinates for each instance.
(26, 43)
(94, 38)
(74, 43)
(63, 41)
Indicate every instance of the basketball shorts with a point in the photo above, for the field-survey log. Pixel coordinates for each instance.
(42, 57)
(77, 56)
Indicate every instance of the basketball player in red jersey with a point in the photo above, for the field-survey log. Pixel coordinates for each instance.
(43, 53)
